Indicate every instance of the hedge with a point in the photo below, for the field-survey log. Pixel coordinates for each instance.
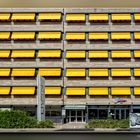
(20, 119)
(108, 123)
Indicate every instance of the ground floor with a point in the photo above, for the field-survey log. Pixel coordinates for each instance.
(80, 113)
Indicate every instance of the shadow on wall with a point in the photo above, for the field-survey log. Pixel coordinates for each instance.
(68, 3)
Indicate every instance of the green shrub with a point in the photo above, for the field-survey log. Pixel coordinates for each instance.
(46, 124)
(21, 119)
(108, 123)
(16, 119)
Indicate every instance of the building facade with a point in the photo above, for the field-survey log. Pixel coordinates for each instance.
(90, 58)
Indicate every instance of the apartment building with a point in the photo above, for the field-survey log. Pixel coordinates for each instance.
(89, 57)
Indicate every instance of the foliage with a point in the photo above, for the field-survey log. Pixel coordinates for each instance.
(20, 119)
(108, 123)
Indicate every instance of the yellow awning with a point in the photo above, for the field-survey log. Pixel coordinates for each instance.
(98, 36)
(75, 36)
(23, 35)
(136, 90)
(75, 72)
(4, 90)
(4, 53)
(121, 54)
(23, 72)
(137, 17)
(23, 91)
(23, 16)
(137, 53)
(5, 72)
(4, 35)
(53, 90)
(49, 36)
(136, 72)
(98, 54)
(98, 72)
(121, 17)
(49, 53)
(121, 72)
(50, 71)
(120, 36)
(75, 54)
(120, 91)
(75, 17)
(49, 16)
(98, 91)
(75, 91)
(98, 17)
(137, 35)
(23, 53)
(4, 16)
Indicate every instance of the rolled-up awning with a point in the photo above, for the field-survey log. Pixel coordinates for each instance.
(75, 17)
(4, 90)
(136, 90)
(75, 36)
(75, 91)
(98, 54)
(75, 72)
(98, 72)
(75, 54)
(23, 91)
(49, 53)
(50, 71)
(137, 53)
(120, 91)
(98, 36)
(5, 72)
(4, 35)
(78, 107)
(23, 16)
(52, 90)
(4, 53)
(98, 91)
(121, 72)
(137, 35)
(136, 72)
(23, 72)
(23, 54)
(121, 54)
(98, 17)
(4, 16)
(121, 17)
(49, 16)
(120, 36)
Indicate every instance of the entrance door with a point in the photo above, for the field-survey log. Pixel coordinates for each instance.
(75, 115)
(120, 113)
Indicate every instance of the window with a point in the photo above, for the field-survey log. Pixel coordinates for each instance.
(49, 36)
(23, 35)
(98, 36)
(4, 90)
(4, 35)
(120, 36)
(136, 72)
(75, 72)
(98, 17)
(23, 91)
(120, 91)
(75, 36)
(49, 53)
(4, 16)
(98, 72)
(121, 17)
(121, 54)
(75, 17)
(53, 90)
(137, 53)
(23, 17)
(98, 54)
(121, 72)
(49, 17)
(75, 91)
(4, 53)
(98, 91)
(50, 71)
(23, 53)
(23, 72)
(5, 72)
